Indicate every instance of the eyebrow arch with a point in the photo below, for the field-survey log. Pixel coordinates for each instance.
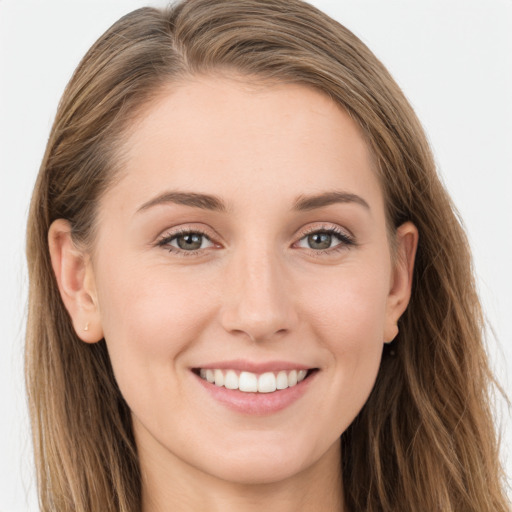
(306, 203)
(193, 199)
(214, 203)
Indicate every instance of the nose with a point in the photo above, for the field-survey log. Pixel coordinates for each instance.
(259, 297)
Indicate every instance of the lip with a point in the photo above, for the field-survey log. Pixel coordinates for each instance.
(256, 404)
(243, 365)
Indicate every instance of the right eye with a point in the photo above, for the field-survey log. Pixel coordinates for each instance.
(325, 240)
(186, 242)
(320, 240)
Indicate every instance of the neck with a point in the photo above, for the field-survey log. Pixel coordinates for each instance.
(174, 485)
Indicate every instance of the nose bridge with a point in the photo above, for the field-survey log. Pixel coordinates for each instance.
(258, 293)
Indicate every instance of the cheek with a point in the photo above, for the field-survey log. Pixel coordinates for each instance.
(150, 303)
(350, 309)
(148, 319)
(350, 319)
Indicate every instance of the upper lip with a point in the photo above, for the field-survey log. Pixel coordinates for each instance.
(254, 367)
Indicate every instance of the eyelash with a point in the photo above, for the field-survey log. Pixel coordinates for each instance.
(346, 241)
(169, 237)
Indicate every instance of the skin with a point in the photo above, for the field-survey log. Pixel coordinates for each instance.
(255, 290)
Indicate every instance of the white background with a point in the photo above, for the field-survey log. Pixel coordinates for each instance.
(453, 59)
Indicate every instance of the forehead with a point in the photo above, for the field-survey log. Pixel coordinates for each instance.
(223, 136)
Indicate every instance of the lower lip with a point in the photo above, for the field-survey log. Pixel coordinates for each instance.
(258, 404)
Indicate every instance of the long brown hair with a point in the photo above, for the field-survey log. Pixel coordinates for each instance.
(425, 439)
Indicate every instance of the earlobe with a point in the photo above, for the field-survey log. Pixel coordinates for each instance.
(401, 281)
(73, 272)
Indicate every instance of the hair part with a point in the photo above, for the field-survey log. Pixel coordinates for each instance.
(425, 440)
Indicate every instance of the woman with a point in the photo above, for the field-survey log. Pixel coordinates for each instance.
(258, 290)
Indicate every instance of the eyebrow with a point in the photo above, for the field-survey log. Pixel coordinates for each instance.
(210, 202)
(203, 201)
(306, 203)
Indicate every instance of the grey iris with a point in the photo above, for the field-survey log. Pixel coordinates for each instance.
(190, 241)
(319, 240)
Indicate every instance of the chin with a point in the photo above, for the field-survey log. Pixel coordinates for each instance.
(271, 463)
(258, 471)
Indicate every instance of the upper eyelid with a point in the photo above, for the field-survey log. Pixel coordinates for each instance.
(335, 228)
(170, 233)
(172, 236)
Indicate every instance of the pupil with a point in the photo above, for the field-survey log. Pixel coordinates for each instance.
(319, 240)
(190, 241)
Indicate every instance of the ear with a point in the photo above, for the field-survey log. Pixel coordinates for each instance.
(75, 279)
(406, 243)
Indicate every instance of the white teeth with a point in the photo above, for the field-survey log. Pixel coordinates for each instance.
(249, 382)
(282, 380)
(219, 378)
(267, 383)
(231, 380)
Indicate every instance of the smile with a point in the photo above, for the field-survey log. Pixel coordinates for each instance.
(256, 389)
(249, 382)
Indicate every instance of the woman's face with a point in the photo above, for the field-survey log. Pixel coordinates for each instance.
(245, 242)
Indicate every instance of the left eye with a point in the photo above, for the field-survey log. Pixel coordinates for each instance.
(188, 241)
(321, 240)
